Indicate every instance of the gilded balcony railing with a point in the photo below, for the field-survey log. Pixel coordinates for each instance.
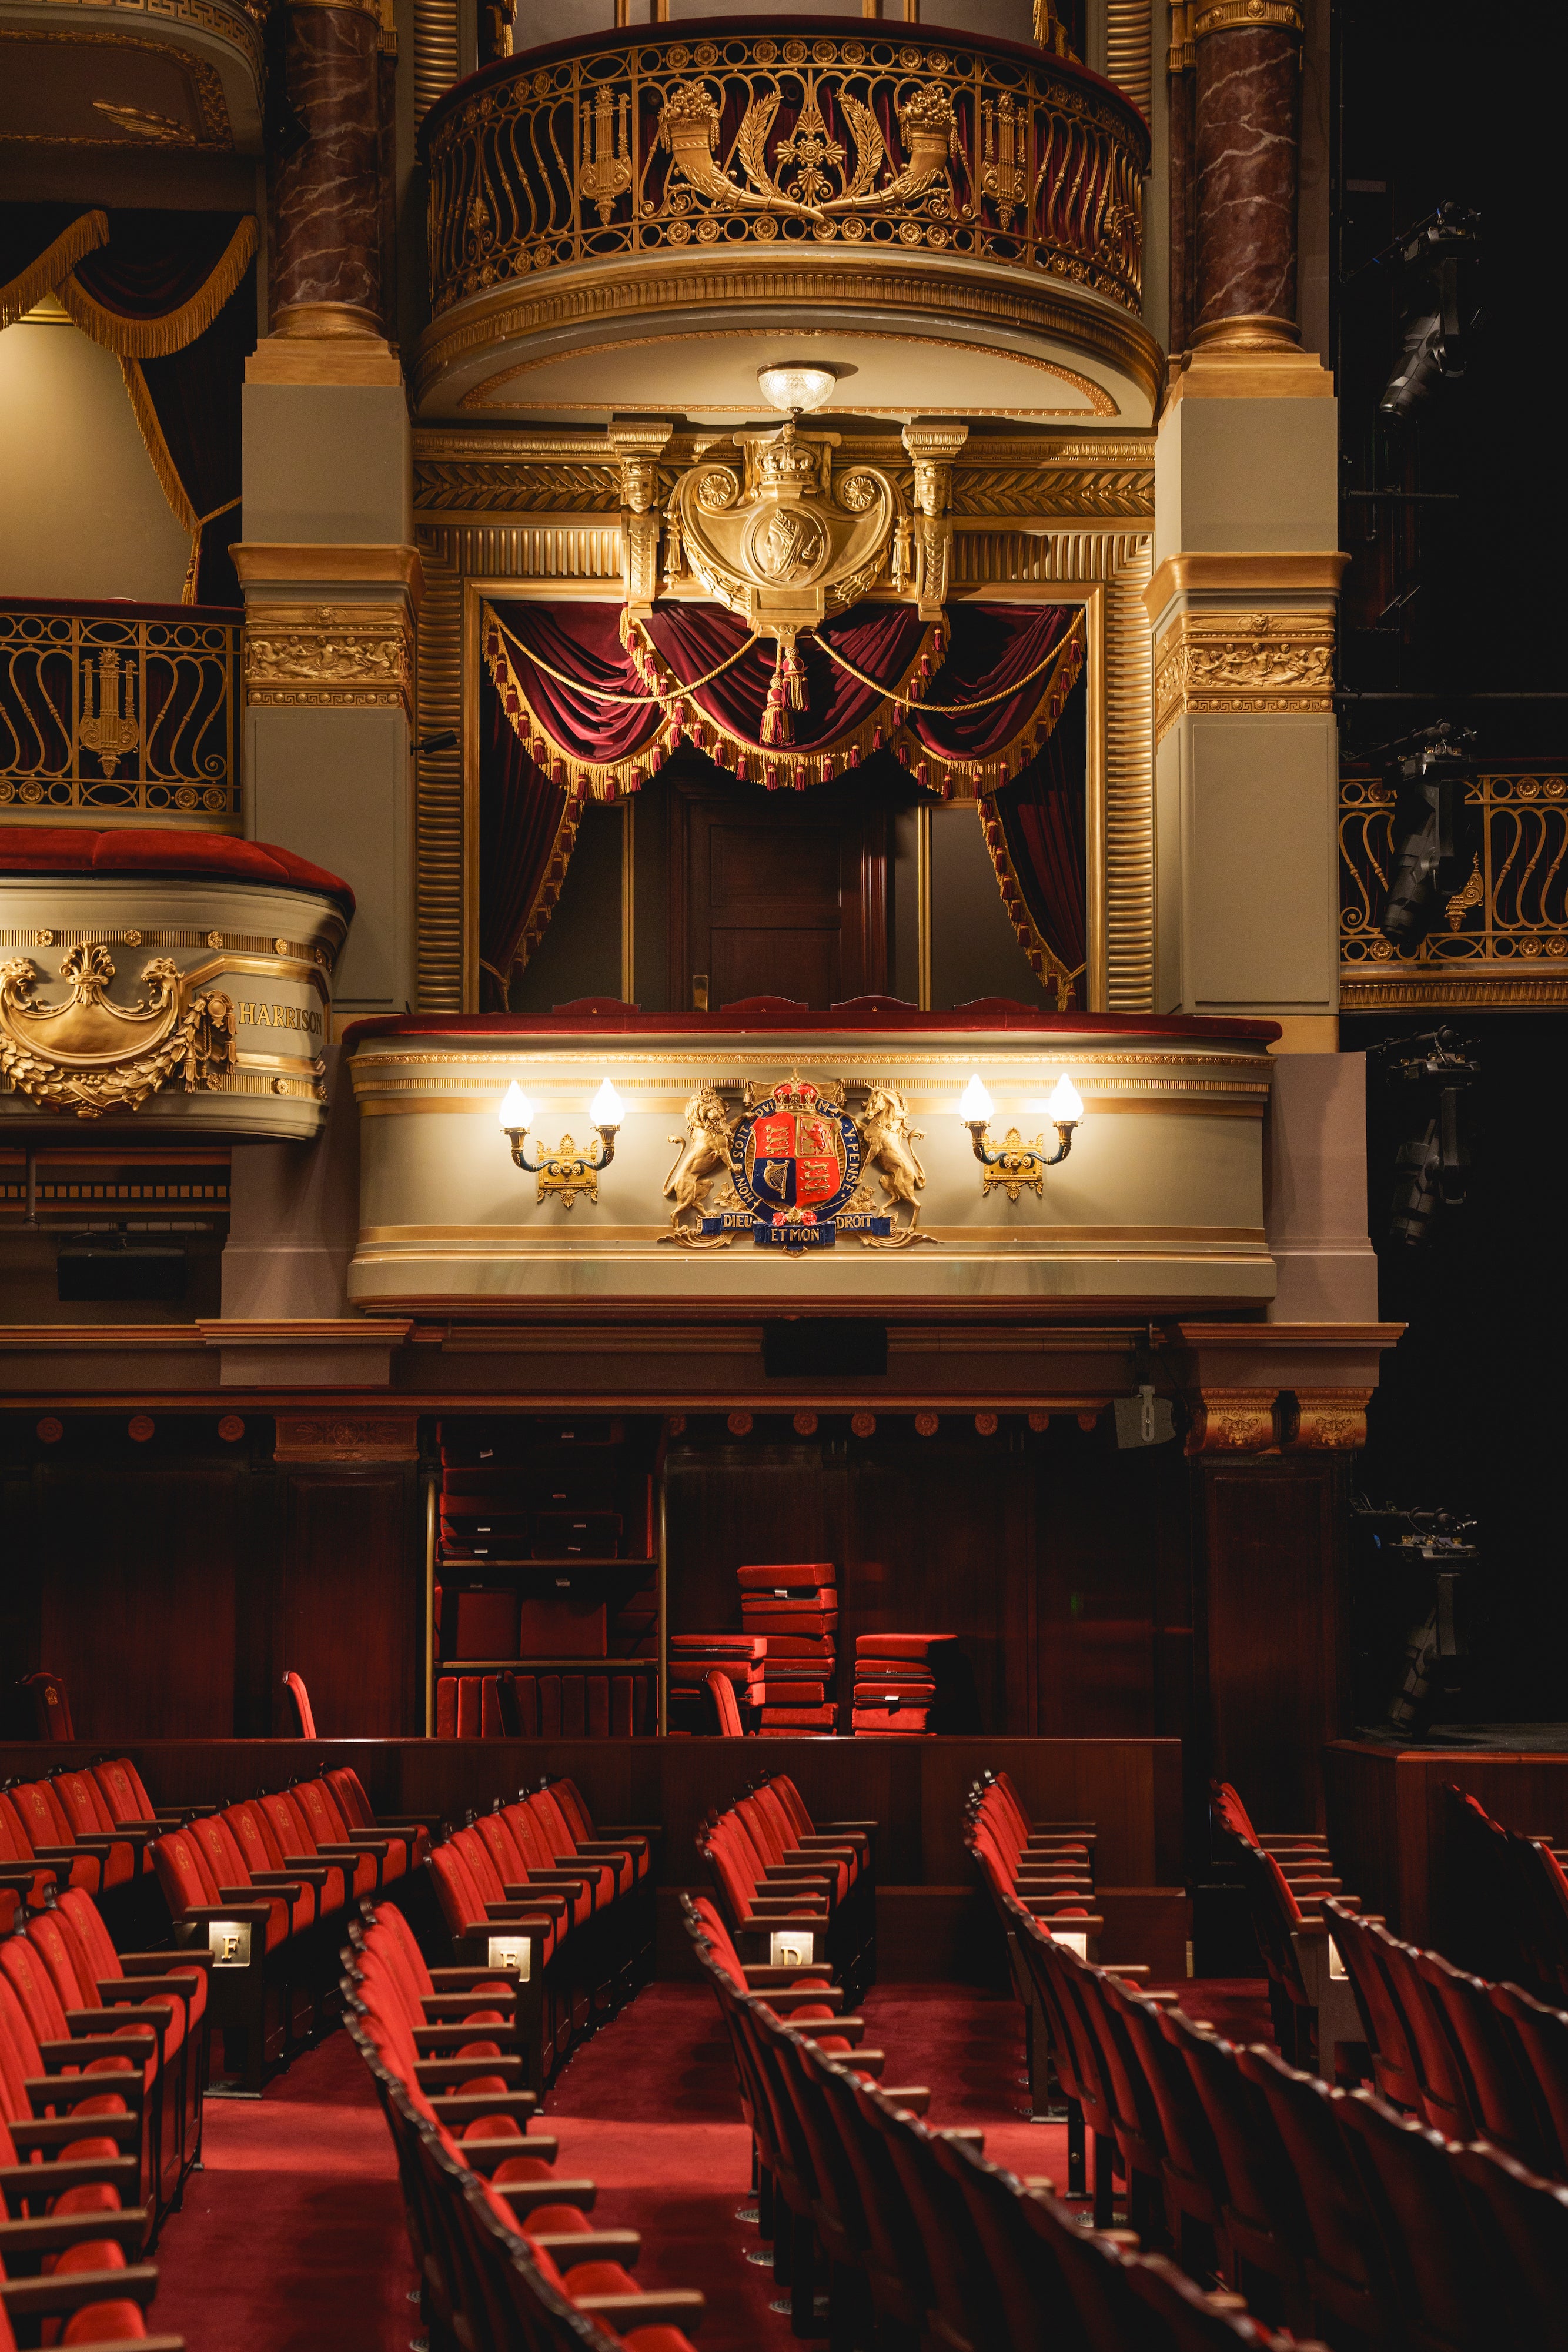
(903, 142)
(120, 713)
(1501, 938)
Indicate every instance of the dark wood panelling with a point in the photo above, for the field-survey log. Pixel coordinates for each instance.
(137, 1575)
(350, 1599)
(1272, 1629)
(1389, 1826)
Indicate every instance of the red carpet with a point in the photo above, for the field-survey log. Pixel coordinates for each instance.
(291, 2240)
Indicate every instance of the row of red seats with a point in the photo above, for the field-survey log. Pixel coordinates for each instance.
(508, 2260)
(1286, 1879)
(1330, 2210)
(89, 1826)
(775, 1873)
(1472, 2058)
(1049, 1866)
(917, 2238)
(100, 2057)
(536, 1878)
(270, 1880)
(1514, 1919)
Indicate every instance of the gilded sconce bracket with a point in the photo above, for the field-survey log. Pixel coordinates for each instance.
(1018, 1165)
(565, 1172)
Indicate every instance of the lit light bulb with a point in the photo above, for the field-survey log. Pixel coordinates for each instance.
(793, 386)
(1065, 1105)
(976, 1106)
(609, 1110)
(516, 1111)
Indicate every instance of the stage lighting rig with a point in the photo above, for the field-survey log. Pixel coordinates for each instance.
(1431, 1170)
(1429, 772)
(1433, 1556)
(1438, 312)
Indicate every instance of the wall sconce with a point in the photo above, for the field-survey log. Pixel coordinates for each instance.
(565, 1172)
(1019, 1163)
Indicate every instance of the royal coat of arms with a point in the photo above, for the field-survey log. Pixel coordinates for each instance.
(796, 1163)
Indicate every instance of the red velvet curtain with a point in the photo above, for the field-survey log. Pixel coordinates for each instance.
(526, 824)
(990, 649)
(1043, 818)
(880, 640)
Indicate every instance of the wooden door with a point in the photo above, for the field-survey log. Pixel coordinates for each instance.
(778, 893)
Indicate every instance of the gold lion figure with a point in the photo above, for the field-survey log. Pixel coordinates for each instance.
(705, 1153)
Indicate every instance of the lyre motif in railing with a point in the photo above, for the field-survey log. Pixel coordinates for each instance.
(1004, 167)
(109, 728)
(605, 171)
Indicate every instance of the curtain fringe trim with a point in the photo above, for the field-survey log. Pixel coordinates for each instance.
(157, 339)
(776, 766)
(1046, 964)
(157, 448)
(53, 266)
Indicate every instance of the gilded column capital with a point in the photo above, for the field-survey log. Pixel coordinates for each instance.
(1326, 1419)
(1243, 663)
(1245, 16)
(330, 656)
(1231, 1420)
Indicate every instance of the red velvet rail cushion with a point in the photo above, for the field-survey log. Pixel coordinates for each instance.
(62, 849)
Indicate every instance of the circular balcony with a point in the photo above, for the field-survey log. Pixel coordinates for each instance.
(177, 984)
(639, 220)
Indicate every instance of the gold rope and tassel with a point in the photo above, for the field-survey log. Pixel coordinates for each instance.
(53, 266)
(786, 693)
(156, 339)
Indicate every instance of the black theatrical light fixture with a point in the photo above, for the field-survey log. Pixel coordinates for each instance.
(1429, 772)
(1431, 1168)
(1437, 309)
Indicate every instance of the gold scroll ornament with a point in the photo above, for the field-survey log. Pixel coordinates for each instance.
(89, 1056)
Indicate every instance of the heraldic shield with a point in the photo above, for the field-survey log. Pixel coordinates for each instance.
(796, 1158)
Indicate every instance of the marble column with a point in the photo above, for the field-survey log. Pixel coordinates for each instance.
(326, 205)
(1247, 128)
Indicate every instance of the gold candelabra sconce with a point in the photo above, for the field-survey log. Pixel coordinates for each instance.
(565, 1172)
(1019, 1166)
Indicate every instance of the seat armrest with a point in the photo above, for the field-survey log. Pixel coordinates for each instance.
(523, 2196)
(21, 1877)
(44, 2132)
(139, 1963)
(451, 2074)
(568, 2247)
(290, 1883)
(837, 1829)
(52, 2232)
(80, 2050)
(675, 2306)
(464, 1980)
(455, 2108)
(540, 1911)
(784, 1999)
(758, 1972)
(440, 2008)
(915, 2098)
(89, 2024)
(433, 2041)
(177, 1988)
(65, 2291)
(570, 1882)
(44, 2181)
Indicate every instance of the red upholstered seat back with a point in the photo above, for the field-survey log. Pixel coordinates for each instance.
(391, 1922)
(502, 1846)
(794, 1804)
(244, 1823)
(80, 1795)
(82, 1915)
(481, 1865)
(305, 1722)
(721, 1690)
(34, 1988)
(569, 1797)
(462, 1904)
(76, 1985)
(124, 1796)
(315, 1802)
(762, 1829)
(528, 1837)
(290, 1831)
(52, 1705)
(352, 1797)
(222, 1849)
(47, 1820)
(555, 1835)
(724, 1952)
(21, 2059)
(16, 1845)
(1231, 1810)
(182, 1872)
(771, 1807)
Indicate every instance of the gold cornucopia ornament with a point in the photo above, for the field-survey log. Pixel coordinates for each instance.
(88, 1054)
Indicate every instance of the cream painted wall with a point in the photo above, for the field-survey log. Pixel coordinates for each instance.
(81, 513)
